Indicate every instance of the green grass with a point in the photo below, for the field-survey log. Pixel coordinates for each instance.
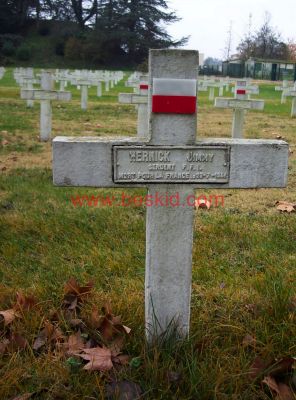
(244, 261)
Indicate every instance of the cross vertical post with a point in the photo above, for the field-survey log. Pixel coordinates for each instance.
(45, 107)
(45, 95)
(169, 229)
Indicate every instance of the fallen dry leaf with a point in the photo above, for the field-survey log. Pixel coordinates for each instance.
(99, 359)
(75, 294)
(281, 367)
(48, 334)
(75, 344)
(283, 391)
(258, 367)
(285, 206)
(107, 324)
(8, 316)
(17, 342)
(24, 302)
(5, 142)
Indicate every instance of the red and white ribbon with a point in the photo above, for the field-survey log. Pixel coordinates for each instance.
(174, 96)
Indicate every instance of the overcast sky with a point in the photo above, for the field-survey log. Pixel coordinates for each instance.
(208, 21)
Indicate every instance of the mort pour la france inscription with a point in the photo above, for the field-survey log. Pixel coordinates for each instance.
(154, 164)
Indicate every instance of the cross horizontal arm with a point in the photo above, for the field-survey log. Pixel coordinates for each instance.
(131, 98)
(237, 103)
(89, 162)
(290, 93)
(29, 94)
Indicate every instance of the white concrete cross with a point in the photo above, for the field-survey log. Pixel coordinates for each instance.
(141, 101)
(25, 78)
(62, 76)
(284, 86)
(83, 83)
(97, 77)
(239, 104)
(45, 95)
(212, 84)
(291, 93)
(2, 72)
(171, 163)
(249, 88)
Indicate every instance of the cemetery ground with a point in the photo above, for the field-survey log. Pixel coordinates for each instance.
(244, 262)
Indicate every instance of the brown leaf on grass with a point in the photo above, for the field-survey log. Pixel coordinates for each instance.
(108, 325)
(99, 359)
(281, 367)
(49, 334)
(283, 391)
(5, 142)
(249, 341)
(8, 316)
(24, 302)
(74, 294)
(76, 323)
(279, 370)
(17, 342)
(75, 344)
(285, 206)
(258, 367)
(123, 390)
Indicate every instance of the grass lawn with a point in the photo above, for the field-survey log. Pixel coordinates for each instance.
(244, 263)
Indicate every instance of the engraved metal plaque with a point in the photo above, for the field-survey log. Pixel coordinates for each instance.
(170, 164)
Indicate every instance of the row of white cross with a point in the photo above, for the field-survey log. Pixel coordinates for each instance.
(83, 79)
(46, 94)
(288, 90)
(171, 164)
(239, 104)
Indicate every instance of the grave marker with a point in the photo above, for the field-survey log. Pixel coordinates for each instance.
(141, 101)
(2, 72)
(46, 95)
(170, 162)
(25, 78)
(239, 104)
(285, 85)
(291, 93)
